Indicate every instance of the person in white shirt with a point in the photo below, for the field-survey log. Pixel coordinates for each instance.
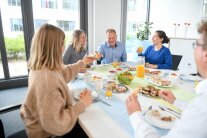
(193, 122)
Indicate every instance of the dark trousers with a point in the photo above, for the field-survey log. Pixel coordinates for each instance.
(76, 132)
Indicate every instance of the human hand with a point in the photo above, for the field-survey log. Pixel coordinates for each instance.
(167, 96)
(87, 60)
(98, 55)
(132, 104)
(153, 66)
(86, 97)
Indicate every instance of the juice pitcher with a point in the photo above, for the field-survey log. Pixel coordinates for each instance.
(140, 71)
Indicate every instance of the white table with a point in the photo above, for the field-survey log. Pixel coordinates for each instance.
(99, 122)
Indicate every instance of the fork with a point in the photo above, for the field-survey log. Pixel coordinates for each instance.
(98, 99)
(149, 108)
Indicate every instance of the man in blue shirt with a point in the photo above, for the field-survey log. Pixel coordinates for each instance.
(112, 50)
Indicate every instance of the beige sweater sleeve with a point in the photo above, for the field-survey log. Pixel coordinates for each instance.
(70, 71)
(55, 118)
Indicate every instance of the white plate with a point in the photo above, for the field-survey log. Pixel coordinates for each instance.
(76, 94)
(190, 78)
(168, 86)
(156, 121)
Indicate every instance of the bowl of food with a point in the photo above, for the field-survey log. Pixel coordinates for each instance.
(125, 77)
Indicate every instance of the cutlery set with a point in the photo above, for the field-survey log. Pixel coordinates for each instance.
(98, 99)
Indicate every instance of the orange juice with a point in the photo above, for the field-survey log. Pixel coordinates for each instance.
(140, 71)
(114, 64)
(140, 49)
(108, 93)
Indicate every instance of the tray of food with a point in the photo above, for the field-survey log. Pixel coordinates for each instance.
(117, 88)
(131, 68)
(152, 72)
(160, 82)
(149, 91)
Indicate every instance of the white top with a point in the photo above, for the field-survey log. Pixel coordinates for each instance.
(192, 124)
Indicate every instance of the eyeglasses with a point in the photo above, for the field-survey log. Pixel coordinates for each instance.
(196, 44)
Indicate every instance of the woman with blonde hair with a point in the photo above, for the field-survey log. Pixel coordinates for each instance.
(48, 109)
(77, 50)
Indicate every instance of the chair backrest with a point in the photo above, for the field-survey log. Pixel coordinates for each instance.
(7, 109)
(176, 61)
(2, 135)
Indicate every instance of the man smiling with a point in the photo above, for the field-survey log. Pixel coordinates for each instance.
(112, 50)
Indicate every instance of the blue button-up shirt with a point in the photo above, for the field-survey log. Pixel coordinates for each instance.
(110, 54)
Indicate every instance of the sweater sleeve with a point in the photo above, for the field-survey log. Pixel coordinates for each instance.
(167, 60)
(70, 71)
(54, 117)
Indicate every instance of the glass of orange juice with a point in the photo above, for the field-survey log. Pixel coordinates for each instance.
(140, 71)
(140, 49)
(108, 92)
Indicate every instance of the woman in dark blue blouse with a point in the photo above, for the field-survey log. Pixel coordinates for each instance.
(158, 56)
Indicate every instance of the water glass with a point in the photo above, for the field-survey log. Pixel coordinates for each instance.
(88, 78)
(111, 74)
(98, 84)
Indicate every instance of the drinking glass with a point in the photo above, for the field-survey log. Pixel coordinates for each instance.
(108, 92)
(140, 67)
(111, 74)
(98, 83)
(88, 78)
(140, 49)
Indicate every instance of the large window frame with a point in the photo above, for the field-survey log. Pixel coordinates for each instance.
(28, 30)
(123, 29)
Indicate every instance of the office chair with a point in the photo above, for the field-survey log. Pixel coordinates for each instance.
(6, 109)
(176, 61)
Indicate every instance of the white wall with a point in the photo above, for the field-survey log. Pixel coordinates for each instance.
(164, 13)
(103, 14)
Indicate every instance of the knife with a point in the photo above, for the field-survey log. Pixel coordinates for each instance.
(177, 114)
(104, 102)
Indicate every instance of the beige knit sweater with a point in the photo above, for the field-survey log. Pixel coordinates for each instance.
(48, 109)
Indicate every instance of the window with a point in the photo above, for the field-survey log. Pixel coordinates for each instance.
(131, 5)
(16, 25)
(14, 42)
(51, 4)
(67, 20)
(132, 26)
(14, 2)
(39, 22)
(70, 5)
(1, 68)
(66, 25)
(136, 14)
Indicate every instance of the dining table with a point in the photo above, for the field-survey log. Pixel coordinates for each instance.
(108, 117)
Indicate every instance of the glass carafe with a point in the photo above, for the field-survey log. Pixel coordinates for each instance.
(140, 71)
